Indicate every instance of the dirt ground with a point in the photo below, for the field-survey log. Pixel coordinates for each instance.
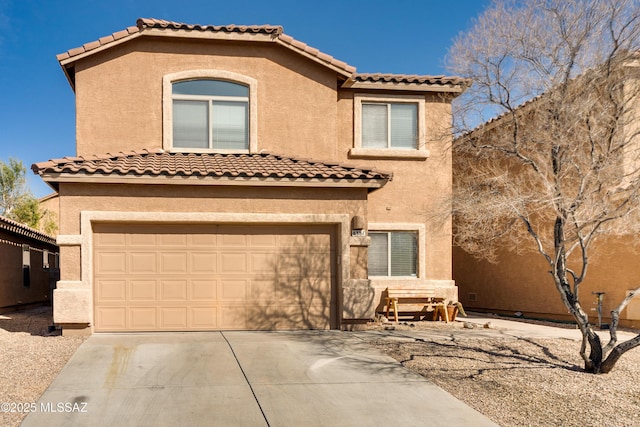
(30, 358)
(522, 382)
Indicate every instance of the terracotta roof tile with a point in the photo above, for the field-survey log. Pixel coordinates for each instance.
(275, 31)
(215, 165)
(410, 78)
(23, 230)
(143, 23)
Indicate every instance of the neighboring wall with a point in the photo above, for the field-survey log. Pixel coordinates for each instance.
(521, 283)
(25, 277)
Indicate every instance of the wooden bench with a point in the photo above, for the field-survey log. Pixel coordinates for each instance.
(425, 298)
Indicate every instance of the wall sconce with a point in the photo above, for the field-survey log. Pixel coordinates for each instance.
(357, 226)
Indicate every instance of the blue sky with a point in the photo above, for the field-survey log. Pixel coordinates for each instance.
(37, 114)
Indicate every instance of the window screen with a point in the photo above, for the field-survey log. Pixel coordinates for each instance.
(210, 114)
(390, 125)
(393, 253)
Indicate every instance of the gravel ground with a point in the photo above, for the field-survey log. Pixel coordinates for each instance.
(523, 382)
(515, 382)
(30, 358)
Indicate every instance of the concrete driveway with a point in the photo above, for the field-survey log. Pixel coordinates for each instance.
(316, 378)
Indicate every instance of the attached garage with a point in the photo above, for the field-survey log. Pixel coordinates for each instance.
(191, 277)
(161, 241)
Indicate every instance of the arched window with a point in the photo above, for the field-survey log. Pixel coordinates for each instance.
(207, 110)
(210, 115)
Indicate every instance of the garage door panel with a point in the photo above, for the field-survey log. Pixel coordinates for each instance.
(109, 239)
(142, 262)
(234, 263)
(112, 318)
(172, 240)
(233, 290)
(173, 290)
(142, 318)
(173, 262)
(291, 316)
(202, 240)
(262, 262)
(112, 290)
(204, 318)
(232, 240)
(204, 289)
(203, 262)
(302, 290)
(233, 317)
(212, 277)
(148, 240)
(143, 290)
(111, 262)
(263, 241)
(304, 241)
(262, 290)
(173, 318)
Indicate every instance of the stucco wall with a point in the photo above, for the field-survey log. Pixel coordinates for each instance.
(522, 282)
(419, 186)
(13, 291)
(185, 204)
(182, 198)
(119, 95)
(301, 113)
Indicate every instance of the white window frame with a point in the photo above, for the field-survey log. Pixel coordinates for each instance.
(167, 107)
(420, 152)
(420, 230)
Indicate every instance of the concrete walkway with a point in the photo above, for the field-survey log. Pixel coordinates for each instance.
(317, 378)
(500, 328)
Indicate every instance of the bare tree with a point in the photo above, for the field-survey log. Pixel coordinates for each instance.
(559, 164)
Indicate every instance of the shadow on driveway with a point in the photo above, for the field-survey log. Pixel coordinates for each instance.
(310, 378)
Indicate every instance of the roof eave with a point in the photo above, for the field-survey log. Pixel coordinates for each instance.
(398, 86)
(55, 178)
(69, 58)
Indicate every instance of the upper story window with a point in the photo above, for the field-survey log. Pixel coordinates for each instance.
(389, 126)
(209, 111)
(210, 114)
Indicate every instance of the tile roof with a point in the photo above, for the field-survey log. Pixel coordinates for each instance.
(216, 165)
(272, 33)
(25, 231)
(410, 78)
(143, 24)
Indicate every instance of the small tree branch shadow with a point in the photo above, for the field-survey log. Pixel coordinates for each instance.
(490, 354)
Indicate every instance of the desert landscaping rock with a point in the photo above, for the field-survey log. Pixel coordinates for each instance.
(30, 358)
(521, 381)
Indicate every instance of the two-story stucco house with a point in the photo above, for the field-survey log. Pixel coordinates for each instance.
(232, 177)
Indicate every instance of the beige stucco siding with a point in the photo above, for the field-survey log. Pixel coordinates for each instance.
(522, 282)
(119, 95)
(180, 198)
(83, 205)
(418, 188)
(297, 109)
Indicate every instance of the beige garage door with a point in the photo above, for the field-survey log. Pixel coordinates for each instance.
(192, 277)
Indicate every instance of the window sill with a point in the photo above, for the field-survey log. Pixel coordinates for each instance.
(388, 153)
